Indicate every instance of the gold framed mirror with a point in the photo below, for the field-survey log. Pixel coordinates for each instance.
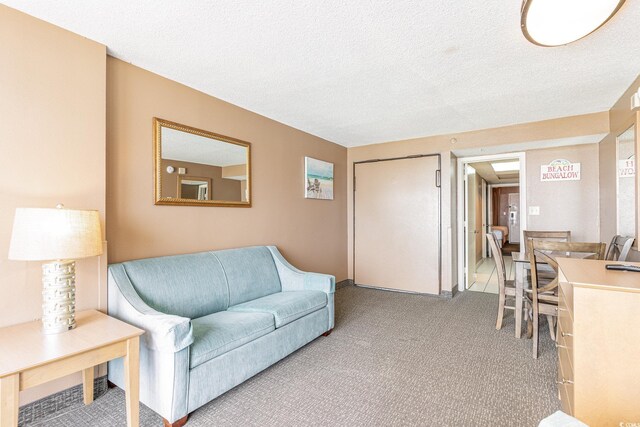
(195, 167)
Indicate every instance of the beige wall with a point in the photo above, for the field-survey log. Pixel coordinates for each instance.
(52, 140)
(565, 205)
(588, 124)
(234, 170)
(621, 118)
(310, 233)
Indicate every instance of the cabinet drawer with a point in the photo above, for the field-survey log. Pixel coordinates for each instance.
(565, 329)
(566, 398)
(565, 389)
(565, 298)
(565, 361)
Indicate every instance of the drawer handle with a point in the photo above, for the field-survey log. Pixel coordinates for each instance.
(561, 346)
(564, 382)
(566, 334)
(561, 309)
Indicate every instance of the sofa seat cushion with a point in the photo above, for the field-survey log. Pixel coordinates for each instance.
(285, 306)
(220, 332)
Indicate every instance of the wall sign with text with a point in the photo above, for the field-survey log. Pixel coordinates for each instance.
(560, 170)
(627, 167)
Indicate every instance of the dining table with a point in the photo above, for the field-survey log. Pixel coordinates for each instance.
(522, 265)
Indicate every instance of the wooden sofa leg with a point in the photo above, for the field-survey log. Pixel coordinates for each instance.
(178, 423)
(326, 334)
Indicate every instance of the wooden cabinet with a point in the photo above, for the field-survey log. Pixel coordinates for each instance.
(598, 342)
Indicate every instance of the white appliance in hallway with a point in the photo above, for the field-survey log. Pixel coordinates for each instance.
(514, 218)
(397, 224)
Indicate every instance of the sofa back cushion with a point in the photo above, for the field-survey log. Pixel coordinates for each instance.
(251, 273)
(191, 286)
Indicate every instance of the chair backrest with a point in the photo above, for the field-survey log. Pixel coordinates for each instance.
(542, 251)
(497, 256)
(557, 236)
(619, 248)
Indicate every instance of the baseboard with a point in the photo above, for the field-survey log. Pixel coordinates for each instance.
(344, 283)
(441, 295)
(58, 402)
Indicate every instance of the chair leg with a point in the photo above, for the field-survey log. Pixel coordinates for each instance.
(552, 330)
(527, 313)
(535, 332)
(501, 302)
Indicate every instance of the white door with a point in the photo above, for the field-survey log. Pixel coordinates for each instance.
(514, 218)
(473, 224)
(397, 224)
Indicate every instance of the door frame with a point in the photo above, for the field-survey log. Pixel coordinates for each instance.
(461, 204)
(438, 180)
(485, 216)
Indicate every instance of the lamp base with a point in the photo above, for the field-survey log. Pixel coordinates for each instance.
(58, 296)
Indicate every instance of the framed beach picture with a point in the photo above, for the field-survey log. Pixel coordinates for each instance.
(318, 179)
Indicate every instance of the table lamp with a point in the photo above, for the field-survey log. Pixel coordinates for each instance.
(59, 236)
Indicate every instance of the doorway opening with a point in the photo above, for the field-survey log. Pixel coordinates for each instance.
(491, 199)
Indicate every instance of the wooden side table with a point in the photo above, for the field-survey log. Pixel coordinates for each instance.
(29, 358)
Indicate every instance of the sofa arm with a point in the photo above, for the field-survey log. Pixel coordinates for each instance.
(163, 332)
(293, 279)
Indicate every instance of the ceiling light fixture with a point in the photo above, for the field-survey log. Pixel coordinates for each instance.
(506, 166)
(556, 23)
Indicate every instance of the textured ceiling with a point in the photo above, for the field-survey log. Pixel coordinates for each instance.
(359, 72)
(485, 170)
(188, 147)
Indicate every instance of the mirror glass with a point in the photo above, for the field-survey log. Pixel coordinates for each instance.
(197, 167)
(190, 187)
(627, 183)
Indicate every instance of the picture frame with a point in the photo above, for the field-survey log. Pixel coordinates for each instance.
(318, 176)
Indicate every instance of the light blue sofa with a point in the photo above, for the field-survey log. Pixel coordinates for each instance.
(213, 320)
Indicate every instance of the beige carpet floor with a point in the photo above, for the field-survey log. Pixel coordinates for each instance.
(393, 360)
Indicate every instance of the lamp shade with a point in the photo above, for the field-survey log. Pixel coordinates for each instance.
(559, 22)
(41, 234)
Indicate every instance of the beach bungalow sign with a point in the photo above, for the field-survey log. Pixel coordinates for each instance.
(318, 179)
(560, 170)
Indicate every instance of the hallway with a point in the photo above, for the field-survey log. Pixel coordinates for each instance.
(487, 277)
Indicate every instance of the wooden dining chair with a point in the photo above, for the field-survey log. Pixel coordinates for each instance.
(545, 273)
(506, 288)
(619, 248)
(556, 236)
(542, 298)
